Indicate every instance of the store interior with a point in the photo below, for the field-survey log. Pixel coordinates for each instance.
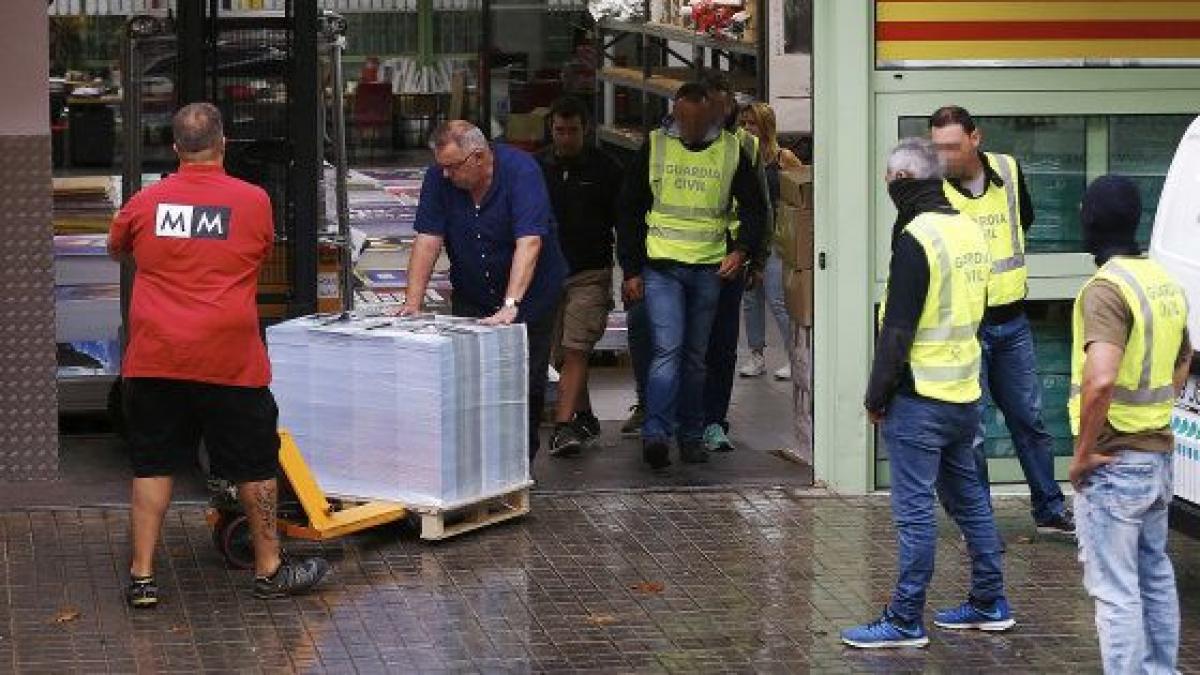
(405, 66)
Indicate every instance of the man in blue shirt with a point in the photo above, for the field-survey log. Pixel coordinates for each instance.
(489, 207)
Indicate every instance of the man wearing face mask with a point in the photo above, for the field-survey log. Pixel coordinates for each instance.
(990, 188)
(1129, 360)
(674, 251)
(924, 392)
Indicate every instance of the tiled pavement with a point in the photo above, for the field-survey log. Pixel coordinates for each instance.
(736, 580)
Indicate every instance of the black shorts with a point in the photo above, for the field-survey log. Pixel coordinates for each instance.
(168, 418)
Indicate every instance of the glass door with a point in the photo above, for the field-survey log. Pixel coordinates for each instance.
(1061, 143)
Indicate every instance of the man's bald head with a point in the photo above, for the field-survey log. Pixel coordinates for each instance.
(199, 134)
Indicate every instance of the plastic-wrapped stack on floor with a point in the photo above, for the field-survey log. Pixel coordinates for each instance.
(426, 412)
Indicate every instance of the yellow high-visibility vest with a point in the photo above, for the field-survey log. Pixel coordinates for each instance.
(692, 191)
(998, 213)
(945, 357)
(1144, 394)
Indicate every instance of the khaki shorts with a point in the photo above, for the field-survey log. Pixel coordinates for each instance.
(583, 311)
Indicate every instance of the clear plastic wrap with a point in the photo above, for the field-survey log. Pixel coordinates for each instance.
(426, 412)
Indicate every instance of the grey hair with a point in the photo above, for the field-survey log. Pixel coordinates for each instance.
(916, 157)
(462, 133)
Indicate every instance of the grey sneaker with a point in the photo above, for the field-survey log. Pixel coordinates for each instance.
(142, 593)
(567, 440)
(587, 422)
(715, 439)
(633, 425)
(291, 578)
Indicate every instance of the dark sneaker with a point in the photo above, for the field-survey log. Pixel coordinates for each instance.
(693, 452)
(885, 632)
(657, 454)
(1062, 523)
(291, 578)
(142, 593)
(967, 616)
(567, 441)
(716, 440)
(587, 422)
(633, 425)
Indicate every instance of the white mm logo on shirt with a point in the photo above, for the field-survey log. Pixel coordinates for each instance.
(184, 221)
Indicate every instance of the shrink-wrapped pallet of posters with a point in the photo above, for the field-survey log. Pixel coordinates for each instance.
(426, 412)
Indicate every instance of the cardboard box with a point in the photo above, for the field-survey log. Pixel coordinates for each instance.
(527, 127)
(798, 295)
(795, 187)
(794, 236)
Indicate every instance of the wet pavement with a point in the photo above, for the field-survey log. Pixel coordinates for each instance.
(709, 580)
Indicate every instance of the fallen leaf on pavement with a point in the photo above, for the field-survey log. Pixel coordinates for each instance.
(649, 587)
(602, 619)
(67, 615)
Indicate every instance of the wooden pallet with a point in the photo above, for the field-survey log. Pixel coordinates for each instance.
(438, 524)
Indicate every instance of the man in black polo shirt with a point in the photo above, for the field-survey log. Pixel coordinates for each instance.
(583, 183)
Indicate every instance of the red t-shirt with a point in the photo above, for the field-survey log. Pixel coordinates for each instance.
(199, 237)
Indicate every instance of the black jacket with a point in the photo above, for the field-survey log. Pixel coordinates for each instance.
(584, 192)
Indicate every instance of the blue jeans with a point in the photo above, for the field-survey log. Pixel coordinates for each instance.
(929, 449)
(1121, 516)
(754, 308)
(721, 358)
(1010, 374)
(641, 349)
(681, 301)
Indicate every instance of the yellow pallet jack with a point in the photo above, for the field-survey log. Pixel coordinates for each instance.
(310, 516)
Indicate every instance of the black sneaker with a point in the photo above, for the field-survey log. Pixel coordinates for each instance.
(693, 452)
(587, 422)
(142, 593)
(1061, 523)
(566, 441)
(291, 578)
(633, 426)
(657, 454)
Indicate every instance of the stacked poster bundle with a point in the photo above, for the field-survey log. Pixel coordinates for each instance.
(424, 412)
(85, 204)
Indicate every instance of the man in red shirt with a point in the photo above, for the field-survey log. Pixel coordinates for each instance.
(196, 367)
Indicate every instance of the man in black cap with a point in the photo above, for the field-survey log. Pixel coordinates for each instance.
(1129, 360)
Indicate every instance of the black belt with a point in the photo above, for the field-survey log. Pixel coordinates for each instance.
(1004, 313)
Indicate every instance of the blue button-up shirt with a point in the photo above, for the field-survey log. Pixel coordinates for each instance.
(481, 240)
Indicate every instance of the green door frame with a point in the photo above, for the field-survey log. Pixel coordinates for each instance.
(855, 114)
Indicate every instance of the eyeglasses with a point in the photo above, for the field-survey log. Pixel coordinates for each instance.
(455, 166)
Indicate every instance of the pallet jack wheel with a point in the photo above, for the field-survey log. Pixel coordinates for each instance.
(231, 536)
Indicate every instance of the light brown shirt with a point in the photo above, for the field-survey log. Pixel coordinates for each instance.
(1108, 318)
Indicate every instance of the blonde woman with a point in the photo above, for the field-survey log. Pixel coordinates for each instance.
(759, 120)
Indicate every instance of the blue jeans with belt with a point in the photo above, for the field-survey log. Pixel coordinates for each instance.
(681, 301)
(1121, 521)
(929, 453)
(1010, 374)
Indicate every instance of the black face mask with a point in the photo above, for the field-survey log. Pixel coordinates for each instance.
(1109, 218)
(913, 197)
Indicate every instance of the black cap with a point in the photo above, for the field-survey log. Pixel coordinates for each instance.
(1112, 207)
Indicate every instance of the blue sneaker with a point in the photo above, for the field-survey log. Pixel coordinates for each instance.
(967, 616)
(885, 632)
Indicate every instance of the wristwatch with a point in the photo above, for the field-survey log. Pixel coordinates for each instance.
(510, 303)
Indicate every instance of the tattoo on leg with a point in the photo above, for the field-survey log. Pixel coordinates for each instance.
(264, 509)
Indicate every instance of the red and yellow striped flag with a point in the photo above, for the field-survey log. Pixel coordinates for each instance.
(912, 32)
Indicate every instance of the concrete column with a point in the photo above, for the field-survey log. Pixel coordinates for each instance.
(28, 394)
